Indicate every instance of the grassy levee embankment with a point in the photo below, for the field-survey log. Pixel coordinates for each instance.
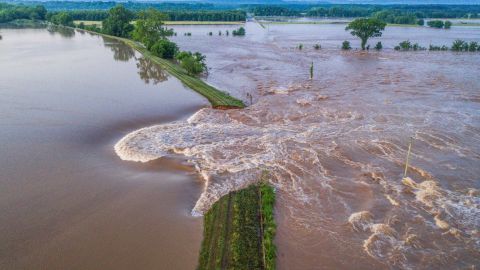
(217, 98)
(239, 231)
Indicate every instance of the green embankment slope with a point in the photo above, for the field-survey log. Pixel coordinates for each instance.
(239, 231)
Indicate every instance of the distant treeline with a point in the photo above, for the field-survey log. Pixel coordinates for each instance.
(352, 11)
(200, 15)
(398, 14)
(100, 5)
(15, 12)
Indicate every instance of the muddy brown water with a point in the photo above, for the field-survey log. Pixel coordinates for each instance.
(335, 146)
(66, 200)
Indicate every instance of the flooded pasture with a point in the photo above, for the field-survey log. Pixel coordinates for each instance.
(66, 200)
(335, 146)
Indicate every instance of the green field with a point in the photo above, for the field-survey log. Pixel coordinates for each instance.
(239, 231)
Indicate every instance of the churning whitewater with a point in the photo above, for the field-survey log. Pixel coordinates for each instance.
(328, 158)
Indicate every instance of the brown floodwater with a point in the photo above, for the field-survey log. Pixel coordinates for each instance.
(66, 200)
(335, 146)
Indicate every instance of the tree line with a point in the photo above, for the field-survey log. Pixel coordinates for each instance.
(10, 12)
(226, 15)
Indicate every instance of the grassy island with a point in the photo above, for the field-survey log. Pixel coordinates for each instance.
(239, 231)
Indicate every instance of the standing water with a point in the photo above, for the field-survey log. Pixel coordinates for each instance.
(66, 200)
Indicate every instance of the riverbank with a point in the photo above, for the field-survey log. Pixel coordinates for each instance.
(239, 231)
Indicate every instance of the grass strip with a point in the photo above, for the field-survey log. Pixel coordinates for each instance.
(239, 230)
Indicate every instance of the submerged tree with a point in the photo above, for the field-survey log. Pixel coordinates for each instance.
(366, 28)
(346, 45)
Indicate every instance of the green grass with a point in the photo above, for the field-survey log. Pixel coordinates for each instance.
(217, 98)
(239, 230)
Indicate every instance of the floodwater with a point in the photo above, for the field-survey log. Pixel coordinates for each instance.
(335, 146)
(66, 200)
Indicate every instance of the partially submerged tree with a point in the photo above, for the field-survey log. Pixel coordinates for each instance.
(118, 22)
(366, 28)
(193, 63)
(346, 45)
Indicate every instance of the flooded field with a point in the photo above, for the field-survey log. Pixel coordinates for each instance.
(335, 146)
(66, 200)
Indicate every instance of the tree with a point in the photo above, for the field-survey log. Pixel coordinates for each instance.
(149, 27)
(447, 24)
(366, 28)
(118, 22)
(194, 63)
(62, 18)
(239, 32)
(421, 22)
(435, 23)
(164, 48)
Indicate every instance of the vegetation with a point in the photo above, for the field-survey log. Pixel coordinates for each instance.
(317, 46)
(239, 230)
(149, 29)
(239, 32)
(447, 25)
(435, 23)
(366, 28)
(379, 46)
(300, 46)
(407, 46)
(164, 48)
(395, 17)
(61, 18)
(193, 63)
(438, 48)
(346, 45)
(10, 12)
(118, 22)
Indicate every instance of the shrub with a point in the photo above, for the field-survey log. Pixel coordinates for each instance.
(194, 63)
(379, 46)
(346, 45)
(473, 46)
(164, 48)
(317, 46)
(239, 32)
(421, 22)
(448, 24)
(458, 45)
(300, 46)
(210, 33)
(435, 23)
(405, 45)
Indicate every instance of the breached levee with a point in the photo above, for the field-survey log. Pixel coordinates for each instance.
(198, 140)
